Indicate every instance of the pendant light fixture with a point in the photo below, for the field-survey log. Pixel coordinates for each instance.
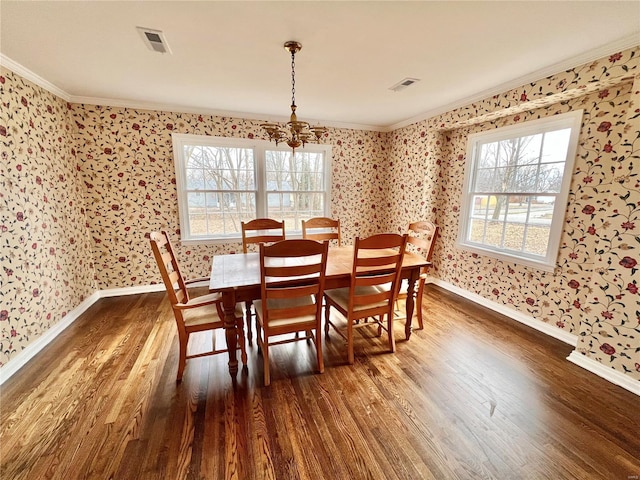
(295, 133)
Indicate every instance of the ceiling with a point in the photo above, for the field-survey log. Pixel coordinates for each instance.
(227, 57)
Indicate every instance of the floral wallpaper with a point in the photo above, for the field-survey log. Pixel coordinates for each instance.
(126, 162)
(116, 165)
(593, 292)
(609, 189)
(46, 264)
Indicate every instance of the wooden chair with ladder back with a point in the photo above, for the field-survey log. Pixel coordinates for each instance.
(321, 228)
(421, 238)
(191, 314)
(377, 261)
(292, 275)
(255, 232)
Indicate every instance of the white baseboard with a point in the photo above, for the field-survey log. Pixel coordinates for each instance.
(32, 349)
(614, 376)
(43, 340)
(119, 292)
(543, 327)
(608, 373)
(585, 362)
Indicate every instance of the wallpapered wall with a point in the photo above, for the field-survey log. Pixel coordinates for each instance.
(121, 164)
(594, 291)
(83, 185)
(126, 160)
(45, 255)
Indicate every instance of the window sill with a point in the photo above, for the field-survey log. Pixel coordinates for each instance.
(227, 240)
(210, 241)
(505, 257)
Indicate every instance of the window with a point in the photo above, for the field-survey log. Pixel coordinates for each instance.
(516, 187)
(223, 181)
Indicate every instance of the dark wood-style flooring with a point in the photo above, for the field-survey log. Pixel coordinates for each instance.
(472, 396)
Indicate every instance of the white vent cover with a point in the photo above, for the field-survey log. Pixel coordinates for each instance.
(404, 83)
(154, 40)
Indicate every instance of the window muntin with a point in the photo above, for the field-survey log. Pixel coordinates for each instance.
(295, 186)
(516, 187)
(223, 181)
(220, 188)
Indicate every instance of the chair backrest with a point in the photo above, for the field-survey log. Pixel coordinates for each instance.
(377, 262)
(323, 228)
(268, 231)
(282, 262)
(168, 265)
(424, 239)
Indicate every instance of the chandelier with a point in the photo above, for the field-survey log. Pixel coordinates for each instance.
(294, 133)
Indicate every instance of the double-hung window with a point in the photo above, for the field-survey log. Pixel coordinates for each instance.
(516, 186)
(223, 181)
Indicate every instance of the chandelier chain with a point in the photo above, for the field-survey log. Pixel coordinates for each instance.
(293, 77)
(294, 133)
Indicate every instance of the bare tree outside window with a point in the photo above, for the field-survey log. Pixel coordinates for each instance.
(513, 186)
(295, 186)
(224, 181)
(220, 188)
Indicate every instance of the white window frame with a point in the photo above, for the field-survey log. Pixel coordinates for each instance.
(571, 120)
(259, 148)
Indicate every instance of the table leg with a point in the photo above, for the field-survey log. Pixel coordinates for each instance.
(229, 306)
(411, 293)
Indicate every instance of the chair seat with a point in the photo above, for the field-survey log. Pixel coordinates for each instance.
(340, 296)
(205, 314)
(404, 287)
(202, 299)
(276, 303)
(387, 286)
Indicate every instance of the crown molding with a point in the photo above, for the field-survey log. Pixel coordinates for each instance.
(110, 102)
(595, 54)
(27, 74)
(114, 102)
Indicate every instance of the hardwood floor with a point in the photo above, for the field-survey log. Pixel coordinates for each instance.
(472, 396)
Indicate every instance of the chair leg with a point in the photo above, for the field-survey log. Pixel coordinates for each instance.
(258, 336)
(319, 351)
(350, 354)
(247, 306)
(327, 312)
(392, 338)
(418, 304)
(183, 340)
(241, 340)
(265, 360)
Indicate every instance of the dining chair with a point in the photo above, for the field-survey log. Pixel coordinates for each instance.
(321, 228)
(377, 261)
(292, 274)
(191, 314)
(261, 230)
(421, 237)
(257, 231)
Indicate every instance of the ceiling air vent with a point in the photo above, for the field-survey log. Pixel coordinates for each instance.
(402, 84)
(154, 40)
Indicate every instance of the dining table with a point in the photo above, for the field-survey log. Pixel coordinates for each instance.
(237, 277)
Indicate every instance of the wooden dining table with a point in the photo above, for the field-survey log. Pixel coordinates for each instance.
(237, 277)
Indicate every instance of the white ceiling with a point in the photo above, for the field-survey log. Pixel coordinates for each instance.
(227, 57)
